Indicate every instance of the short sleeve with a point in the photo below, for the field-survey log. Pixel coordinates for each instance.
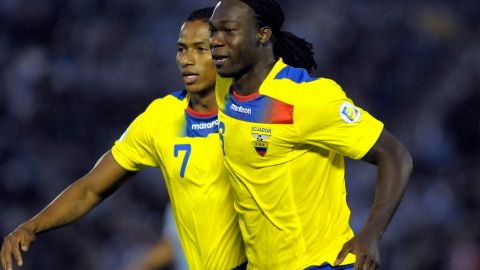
(136, 149)
(327, 118)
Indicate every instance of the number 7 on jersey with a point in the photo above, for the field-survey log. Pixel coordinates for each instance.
(182, 147)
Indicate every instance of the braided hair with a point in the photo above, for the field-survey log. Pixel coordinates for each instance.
(295, 51)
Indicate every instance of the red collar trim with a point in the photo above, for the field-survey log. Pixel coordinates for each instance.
(246, 98)
(194, 113)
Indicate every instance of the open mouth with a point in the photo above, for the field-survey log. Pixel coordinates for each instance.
(190, 78)
(219, 59)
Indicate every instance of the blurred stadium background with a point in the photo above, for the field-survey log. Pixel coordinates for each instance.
(73, 74)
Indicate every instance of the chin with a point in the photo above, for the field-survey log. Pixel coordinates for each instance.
(225, 73)
(198, 89)
(192, 88)
(231, 71)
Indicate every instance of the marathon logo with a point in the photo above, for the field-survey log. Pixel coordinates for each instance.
(203, 126)
(240, 109)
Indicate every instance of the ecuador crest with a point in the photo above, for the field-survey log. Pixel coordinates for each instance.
(260, 144)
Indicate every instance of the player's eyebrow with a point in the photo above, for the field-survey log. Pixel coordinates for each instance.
(224, 22)
(228, 21)
(197, 43)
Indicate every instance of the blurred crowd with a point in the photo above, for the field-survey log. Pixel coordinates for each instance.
(74, 74)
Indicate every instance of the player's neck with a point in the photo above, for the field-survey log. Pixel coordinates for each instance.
(203, 102)
(250, 81)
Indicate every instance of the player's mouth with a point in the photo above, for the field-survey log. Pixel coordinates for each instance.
(219, 60)
(189, 77)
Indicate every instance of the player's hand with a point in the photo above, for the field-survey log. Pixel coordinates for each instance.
(20, 238)
(365, 248)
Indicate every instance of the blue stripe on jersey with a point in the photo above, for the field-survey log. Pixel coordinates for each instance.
(327, 266)
(180, 94)
(262, 109)
(201, 126)
(298, 75)
(250, 111)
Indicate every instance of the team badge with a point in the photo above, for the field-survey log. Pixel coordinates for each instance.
(349, 113)
(260, 144)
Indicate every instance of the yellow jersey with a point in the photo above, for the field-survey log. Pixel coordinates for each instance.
(284, 148)
(184, 144)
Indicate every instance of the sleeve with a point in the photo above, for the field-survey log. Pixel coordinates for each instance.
(136, 149)
(327, 118)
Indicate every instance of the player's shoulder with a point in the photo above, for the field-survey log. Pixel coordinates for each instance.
(299, 78)
(295, 85)
(165, 110)
(177, 95)
(293, 75)
(321, 91)
(174, 99)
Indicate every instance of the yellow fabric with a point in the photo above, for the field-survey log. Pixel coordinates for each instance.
(201, 200)
(292, 201)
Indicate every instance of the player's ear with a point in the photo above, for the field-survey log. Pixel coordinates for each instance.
(264, 34)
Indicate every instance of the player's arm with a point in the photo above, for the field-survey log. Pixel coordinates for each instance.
(394, 166)
(74, 202)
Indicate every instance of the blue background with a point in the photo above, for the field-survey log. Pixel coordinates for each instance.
(73, 74)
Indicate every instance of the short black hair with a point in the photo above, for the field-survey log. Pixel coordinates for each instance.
(202, 14)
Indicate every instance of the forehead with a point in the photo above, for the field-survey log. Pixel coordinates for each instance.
(231, 10)
(194, 31)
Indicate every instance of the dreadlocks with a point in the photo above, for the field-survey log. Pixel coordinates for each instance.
(295, 51)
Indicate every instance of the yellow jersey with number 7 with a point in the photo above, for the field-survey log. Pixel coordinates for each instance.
(185, 145)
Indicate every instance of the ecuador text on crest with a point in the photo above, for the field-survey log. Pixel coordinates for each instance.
(260, 143)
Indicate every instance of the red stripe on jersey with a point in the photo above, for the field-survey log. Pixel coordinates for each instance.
(280, 113)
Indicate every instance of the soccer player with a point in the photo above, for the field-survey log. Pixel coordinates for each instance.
(179, 135)
(285, 135)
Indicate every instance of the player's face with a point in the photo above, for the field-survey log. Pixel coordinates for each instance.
(194, 58)
(234, 38)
